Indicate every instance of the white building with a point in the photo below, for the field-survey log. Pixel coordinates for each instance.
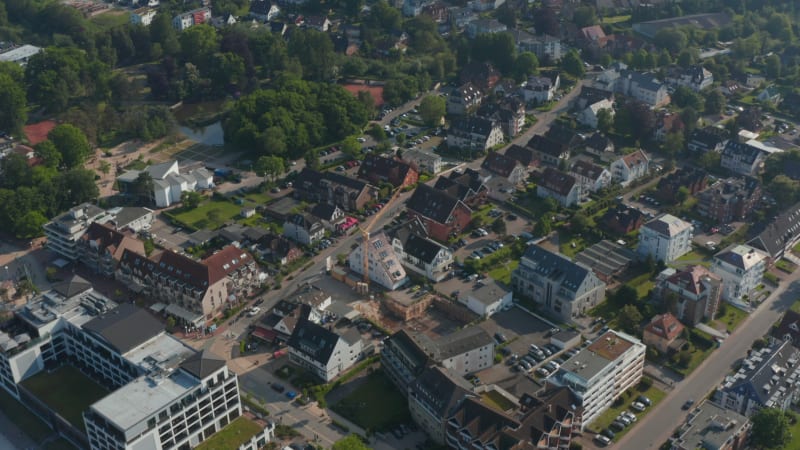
(20, 55)
(630, 167)
(143, 16)
(474, 133)
(486, 297)
(424, 161)
(169, 182)
(383, 263)
(741, 268)
(191, 18)
(588, 116)
(421, 254)
(323, 352)
(601, 372)
(665, 238)
(303, 228)
(64, 231)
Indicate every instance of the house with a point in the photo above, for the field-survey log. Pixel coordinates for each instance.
(548, 151)
(694, 77)
(523, 155)
(483, 75)
(485, 5)
(779, 235)
(421, 254)
(601, 372)
(789, 328)
(443, 214)
(754, 80)
(711, 426)
(742, 158)
(331, 216)
(430, 163)
(169, 181)
(223, 21)
(622, 219)
(662, 332)
(545, 47)
(434, 396)
(503, 166)
(667, 123)
(692, 179)
(708, 139)
(741, 268)
(377, 170)
(439, 12)
(484, 26)
(101, 248)
(598, 144)
(538, 89)
(565, 136)
(562, 187)
(264, 10)
(474, 133)
(590, 177)
(278, 249)
(563, 287)
(468, 186)
(65, 230)
(590, 95)
(132, 218)
(303, 228)
(692, 293)
(509, 112)
(464, 99)
(383, 263)
(630, 167)
(642, 86)
(765, 379)
(588, 116)
(665, 238)
(460, 17)
(191, 18)
(329, 187)
(770, 94)
(729, 200)
(592, 36)
(486, 297)
(321, 351)
(196, 291)
(142, 16)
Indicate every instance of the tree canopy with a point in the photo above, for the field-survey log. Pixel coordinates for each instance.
(770, 429)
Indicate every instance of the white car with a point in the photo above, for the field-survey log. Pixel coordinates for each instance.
(602, 439)
(253, 311)
(637, 406)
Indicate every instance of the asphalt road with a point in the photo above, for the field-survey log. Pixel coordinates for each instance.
(655, 428)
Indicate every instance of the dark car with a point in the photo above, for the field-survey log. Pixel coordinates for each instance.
(501, 338)
(688, 404)
(608, 433)
(278, 387)
(617, 425)
(644, 400)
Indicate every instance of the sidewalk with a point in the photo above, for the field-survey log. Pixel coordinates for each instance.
(711, 330)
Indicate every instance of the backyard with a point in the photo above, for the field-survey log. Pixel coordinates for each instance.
(700, 346)
(232, 436)
(623, 404)
(375, 405)
(68, 391)
(502, 272)
(214, 213)
(729, 318)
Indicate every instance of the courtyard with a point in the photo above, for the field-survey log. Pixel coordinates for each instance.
(67, 391)
(375, 404)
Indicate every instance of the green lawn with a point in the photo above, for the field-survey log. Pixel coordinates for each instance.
(111, 19)
(375, 405)
(502, 273)
(616, 19)
(643, 284)
(28, 422)
(232, 436)
(692, 258)
(700, 348)
(211, 215)
(785, 266)
(795, 430)
(68, 391)
(604, 420)
(732, 318)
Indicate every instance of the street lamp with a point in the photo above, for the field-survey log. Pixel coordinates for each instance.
(7, 276)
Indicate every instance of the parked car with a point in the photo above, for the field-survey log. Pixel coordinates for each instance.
(644, 400)
(617, 426)
(602, 439)
(637, 406)
(291, 395)
(278, 387)
(687, 404)
(500, 337)
(609, 434)
(542, 371)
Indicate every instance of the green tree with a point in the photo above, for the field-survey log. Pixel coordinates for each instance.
(770, 429)
(684, 358)
(351, 147)
(351, 442)
(315, 52)
(573, 65)
(671, 39)
(673, 144)
(49, 153)
(605, 120)
(270, 166)
(30, 225)
(142, 188)
(629, 319)
(543, 226)
(191, 199)
(499, 226)
(525, 65)
(76, 186)
(625, 295)
(772, 66)
(584, 16)
(198, 45)
(71, 143)
(13, 104)
(682, 194)
(431, 109)
(580, 222)
(715, 102)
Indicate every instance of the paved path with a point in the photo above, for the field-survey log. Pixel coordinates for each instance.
(658, 425)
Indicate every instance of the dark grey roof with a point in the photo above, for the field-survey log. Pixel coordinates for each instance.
(72, 287)
(422, 248)
(557, 181)
(523, 155)
(312, 340)
(598, 141)
(125, 327)
(440, 391)
(765, 368)
(324, 211)
(475, 125)
(744, 152)
(709, 136)
(556, 267)
(779, 233)
(547, 146)
(202, 364)
(128, 214)
(432, 203)
(456, 343)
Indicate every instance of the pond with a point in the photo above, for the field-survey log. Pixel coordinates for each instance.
(211, 134)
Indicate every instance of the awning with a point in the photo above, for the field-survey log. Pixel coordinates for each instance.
(185, 315)
(158, 307)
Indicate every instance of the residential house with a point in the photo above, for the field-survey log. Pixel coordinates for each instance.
(642, 86)
(142, 16)
(600, 373)
(419, 253)
(708, 139)
(303, 228)
(483, 75)
(377, 170)
(548, 151)
(662, 333)
(565, 136)
(590, 95)
(509, 112)
(765, 379)
(434, 396)
(789, 328)
(321, 351)
(710, 426)
(561, 286)
(622, 219)
(485, 5)
(562, 187)
(693, 293)
(589, 115)
(729, 200)
(464, 99)
(468, 186)
(329, 187)
(474, 133)
(592, 36)
(443, 214)
(65, 230)
(590, 177)
(196, 291)
(523, 155)
(694, 77)
(484, 26)
(665, 238)
(383, 263)
(169, 182)
(507, 168)
(427, 162)
(331, 216)
(264, 10)
(278, 249)
(486, 297)
(754, 80)
(101, 247)
(224, 21)
(780, 235)
(770, 94)
(191, 18)
(460, 17)
(667, 123)
(741, 268)
(598, 144)
(545, 47)
(438, 12)
(630, 167)
(742, 158)
(539, 89)
(692, 179)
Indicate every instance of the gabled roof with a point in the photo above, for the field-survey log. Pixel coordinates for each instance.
(666, 326)
(691, 279)
(547, 146)
(587, 170)
(305, 221)
(125, 327)
(742, 151)
(763, 371)
(432, 203)
(312, 340)
(592, 33)
(461, 185)
(437, 388)
(709, 136)
(784, 229)
(202, 364)
(324, 211)
(741, 256)
(564, 136)
(377, 168)
(500, 164)
(557, 267)
(473, 125)
(71, 287)
(598, 141)
(636, 158)
(523, 155)
(789, 326)
(422, 248)
(226, 261)
(557, 181)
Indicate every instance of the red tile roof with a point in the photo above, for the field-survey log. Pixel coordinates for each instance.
(38, 132)
(665, 326)
(225, 262)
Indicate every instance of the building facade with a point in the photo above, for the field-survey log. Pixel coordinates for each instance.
(383, 263)
(64, 232)
(665, 238)
(741, 268)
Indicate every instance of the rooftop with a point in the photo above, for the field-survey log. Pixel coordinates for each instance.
(667, 225)
(710, 426)
(125, 327)
(741, 256)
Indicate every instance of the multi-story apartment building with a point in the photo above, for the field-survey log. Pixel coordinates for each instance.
(424, 161)
(433, 397)
(421, 254)
(329, 187)
(101, 248)
(696, 292)
(780, 235)
(563, 287)
(665, 238)
(590, 177)
(65, 230)
(642, 86)
(169, 182)
(601, 372)
(729, 200)
(323, 352)
(630, 167)
(464, 99)
(562, 187)
(196, 291)
(443, 214)
(383, 263)
(474, 133)
(741, 268)
(712, 426)
(377, 170)
(742, 158)
(191, 18)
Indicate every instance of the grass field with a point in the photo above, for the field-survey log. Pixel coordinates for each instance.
(232, 436)
(111, 19)
(616, 19)
(210, 215)
(68, 391)
(502, 273)
(692, 258)
(375, 405)
(732, 318)
(28, 422)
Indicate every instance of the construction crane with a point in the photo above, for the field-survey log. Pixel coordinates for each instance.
(365, 234)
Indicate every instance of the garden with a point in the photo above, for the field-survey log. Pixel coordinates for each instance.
(375, 405)
(67, 391)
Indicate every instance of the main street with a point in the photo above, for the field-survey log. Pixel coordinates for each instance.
(655, 428)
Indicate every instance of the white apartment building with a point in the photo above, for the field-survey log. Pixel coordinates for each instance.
(143, 16)
(383, 263)
(169, 182)
(323, 352)
(630, 167)
(601, 372)
(191, 18)
(424, 161)
(64, 231)
(665, 238)
(423, 255)
(741, 268)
